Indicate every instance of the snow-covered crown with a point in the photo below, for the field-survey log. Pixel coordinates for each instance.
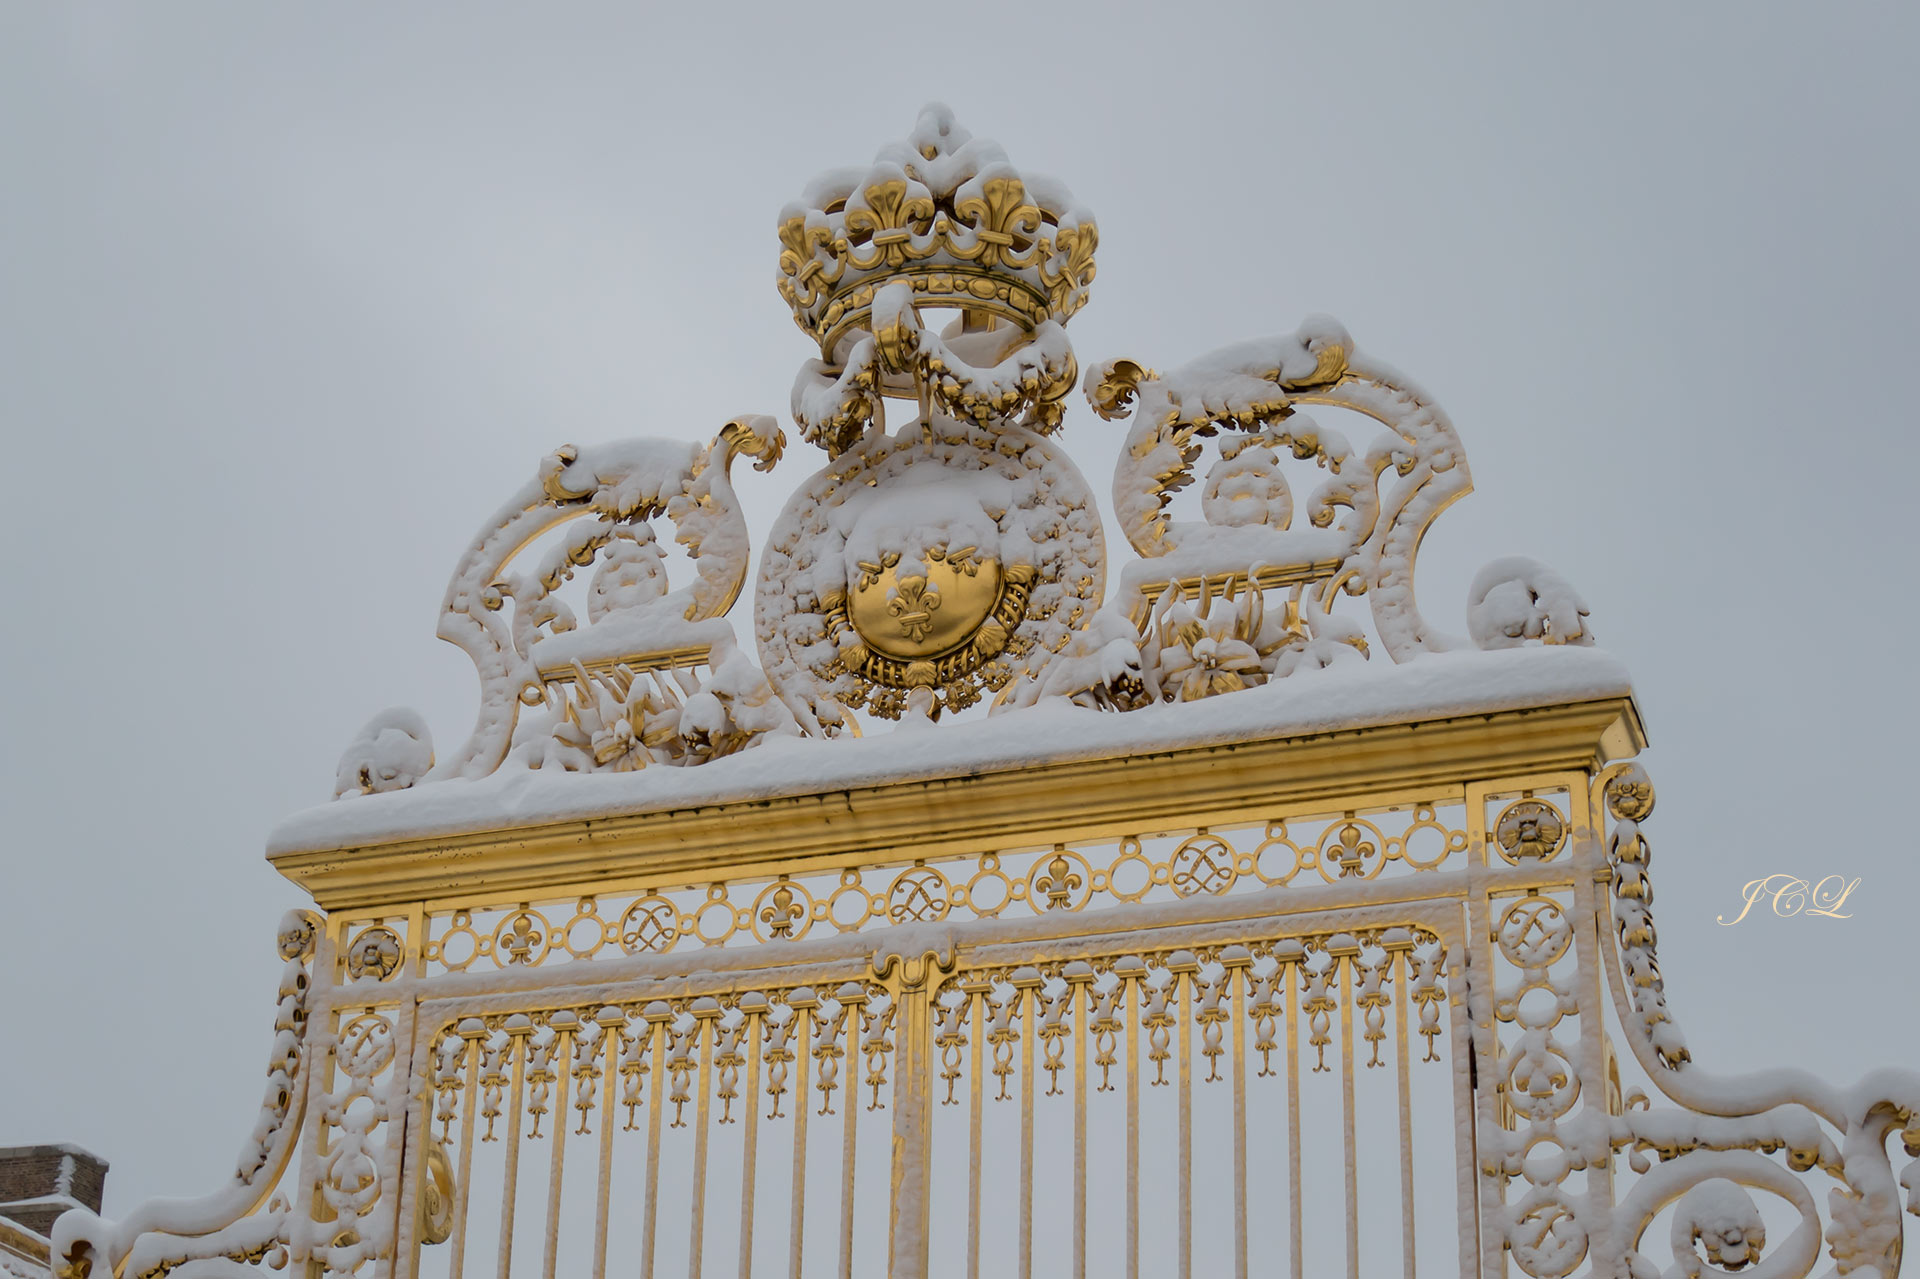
(939, 220)
(946, 212)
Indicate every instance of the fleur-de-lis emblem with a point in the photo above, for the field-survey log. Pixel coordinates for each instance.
(522, 940)
(781, 914)
(913, 606)
(1352, 851)
(1059, 882)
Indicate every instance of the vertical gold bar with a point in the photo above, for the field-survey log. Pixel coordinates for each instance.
(703, 1110)
(417, 939)
(1346, 1113)
(750, 1159)
(1406, 1110)
(1182, 991)
(850, 1101)
(909, 1215)
(610, 1037)
(802, 1060)
(406, 1140)
(1027, 1037)
(456, 1265)
(650, 1211)
(1132, 996)
(1236, 975)
(978, 1000)
(1290, 978)
(521, 1035)
(1081, 992)
(563, 1072)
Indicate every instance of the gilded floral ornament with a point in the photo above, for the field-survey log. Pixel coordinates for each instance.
(1528, 830)
(374, 954)
(298, 935)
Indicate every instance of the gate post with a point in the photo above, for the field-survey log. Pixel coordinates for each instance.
(908, 1218)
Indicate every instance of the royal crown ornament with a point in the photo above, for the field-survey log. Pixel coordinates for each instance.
(940, 221)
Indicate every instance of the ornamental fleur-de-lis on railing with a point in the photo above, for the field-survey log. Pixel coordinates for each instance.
(449, 1077)
(782, 913)
(680, 1045)
(1105, 1027)
(493, 1083)
(1002, 1035)
(1059, 882)
(779, 1054)
(1351, 852)
(587, 1048)
(633, 1071)
(1159, 1022)
(727, 1060)
(875, 1042)
(1264, 1009)
(1211, 1016)
(1373, 998)
(950, 1039)
(1053, 1034)
(521, 939)
(1428, 995)
(539, 1078)
(828, 1050)
(1319, 1006)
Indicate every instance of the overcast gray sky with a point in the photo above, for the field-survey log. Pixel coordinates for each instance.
(292, 298)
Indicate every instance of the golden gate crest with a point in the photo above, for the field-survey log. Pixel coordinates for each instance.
(993, 912)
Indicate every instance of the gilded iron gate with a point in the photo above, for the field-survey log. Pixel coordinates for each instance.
(783, 1055)
(1256, 936)
(877, 1046)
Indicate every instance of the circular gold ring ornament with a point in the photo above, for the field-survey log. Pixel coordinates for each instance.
(919, 571)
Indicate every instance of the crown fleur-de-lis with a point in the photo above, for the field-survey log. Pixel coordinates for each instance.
(782, 913)
(1006, 224)
(1059, 882)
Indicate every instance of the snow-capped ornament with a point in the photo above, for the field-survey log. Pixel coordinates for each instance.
(941, 221)
(610, 692)
(1515, 600)
(392, 752)
(952, 554)
(950, 558)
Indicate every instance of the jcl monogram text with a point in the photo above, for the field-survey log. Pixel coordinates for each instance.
(1792, 895)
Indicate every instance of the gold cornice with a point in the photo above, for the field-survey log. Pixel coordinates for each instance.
(952, 816)
(23, 1243)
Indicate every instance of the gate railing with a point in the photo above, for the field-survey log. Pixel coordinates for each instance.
(1360, 1030)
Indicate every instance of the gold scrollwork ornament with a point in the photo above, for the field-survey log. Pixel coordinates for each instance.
(436, 1195)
